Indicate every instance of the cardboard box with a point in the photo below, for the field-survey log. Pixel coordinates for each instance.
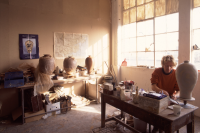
(153, 105)
(51, 107)
(34, 118)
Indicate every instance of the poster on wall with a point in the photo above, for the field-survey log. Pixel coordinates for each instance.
(28, 46)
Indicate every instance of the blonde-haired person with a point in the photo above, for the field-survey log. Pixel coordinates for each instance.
(164, 78)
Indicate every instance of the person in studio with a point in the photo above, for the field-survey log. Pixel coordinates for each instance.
(164, 79)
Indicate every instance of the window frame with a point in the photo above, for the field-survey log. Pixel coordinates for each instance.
(154, 34)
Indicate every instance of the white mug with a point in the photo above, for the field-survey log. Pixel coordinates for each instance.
(177, 110)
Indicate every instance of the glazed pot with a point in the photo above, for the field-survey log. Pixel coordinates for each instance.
(89, 63)
(70, 65)
(186, 76)
(46, 64)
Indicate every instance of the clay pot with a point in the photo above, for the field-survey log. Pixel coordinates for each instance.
(70, 65)
(89, 64)
(46, 64)
(186, 76)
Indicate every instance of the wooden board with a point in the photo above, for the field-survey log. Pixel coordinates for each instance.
(153, 105)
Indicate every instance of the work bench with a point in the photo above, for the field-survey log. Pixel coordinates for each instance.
(165, 120)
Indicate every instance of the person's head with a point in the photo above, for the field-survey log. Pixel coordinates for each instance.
(168, 63)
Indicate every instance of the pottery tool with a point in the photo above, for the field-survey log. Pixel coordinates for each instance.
(114, 74)
(109, 70)
(174, 101)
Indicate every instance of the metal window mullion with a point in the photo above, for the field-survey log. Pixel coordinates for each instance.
(136, 38)
(154, 33)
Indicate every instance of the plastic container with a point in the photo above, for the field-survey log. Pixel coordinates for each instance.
(139, 125)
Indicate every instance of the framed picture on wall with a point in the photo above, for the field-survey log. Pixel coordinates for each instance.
(28, 46)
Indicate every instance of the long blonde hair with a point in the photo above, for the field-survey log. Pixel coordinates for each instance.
(168, 58)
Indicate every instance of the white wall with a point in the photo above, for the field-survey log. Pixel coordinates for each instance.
(44, 17)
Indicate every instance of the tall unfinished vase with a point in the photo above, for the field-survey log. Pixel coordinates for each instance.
(186, 76)
(89, 63)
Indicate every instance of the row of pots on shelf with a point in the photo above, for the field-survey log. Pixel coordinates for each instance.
(47, 64)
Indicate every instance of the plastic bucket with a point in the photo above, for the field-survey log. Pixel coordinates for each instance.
(139, 124)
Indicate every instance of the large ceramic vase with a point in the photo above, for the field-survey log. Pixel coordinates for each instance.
(70, 65)
(186, 76)
(46, 64)
(89, 63)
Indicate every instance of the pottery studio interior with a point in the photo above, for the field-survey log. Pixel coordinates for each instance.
(99, 66)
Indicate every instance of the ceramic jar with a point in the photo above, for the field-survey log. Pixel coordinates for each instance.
(89, 63)
(46, 64)
(70, 65)
(186, 76)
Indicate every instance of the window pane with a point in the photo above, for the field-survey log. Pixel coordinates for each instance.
(160, 42)
(141, 58)
(149, 43)
(131, 60)
(125, 46)
(132, 3)
(149, 27)
(126, 17)
(141, 29)
(132, 46)
(160, 7)
(140, 13)
(140, 2)
(141, 43)
(172, 22)
(149, 58)
(149, 10)
(172, 6)
(196, 18)
(196, 37)
(146, 58)
(132, 28)
(133, 15)
(148, 1)
(160, 25)
(196, 3)
(125, 31)
(126, 4)
(172, 41)
(196, 58)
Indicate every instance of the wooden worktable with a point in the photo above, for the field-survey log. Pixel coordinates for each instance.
(165, 120)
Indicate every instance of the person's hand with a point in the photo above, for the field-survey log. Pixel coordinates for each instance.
(174, 97)
(166, 93)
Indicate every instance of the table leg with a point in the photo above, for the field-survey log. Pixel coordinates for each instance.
(122, 114)
(149, 128)
(22, 105)
(97, 92)
(103, 111)
(85, 87)
(190, 126)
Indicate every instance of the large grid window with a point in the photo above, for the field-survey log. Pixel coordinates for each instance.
(150, 30)
(196, 33)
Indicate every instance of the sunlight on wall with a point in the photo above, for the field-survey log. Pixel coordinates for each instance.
(100, 54)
